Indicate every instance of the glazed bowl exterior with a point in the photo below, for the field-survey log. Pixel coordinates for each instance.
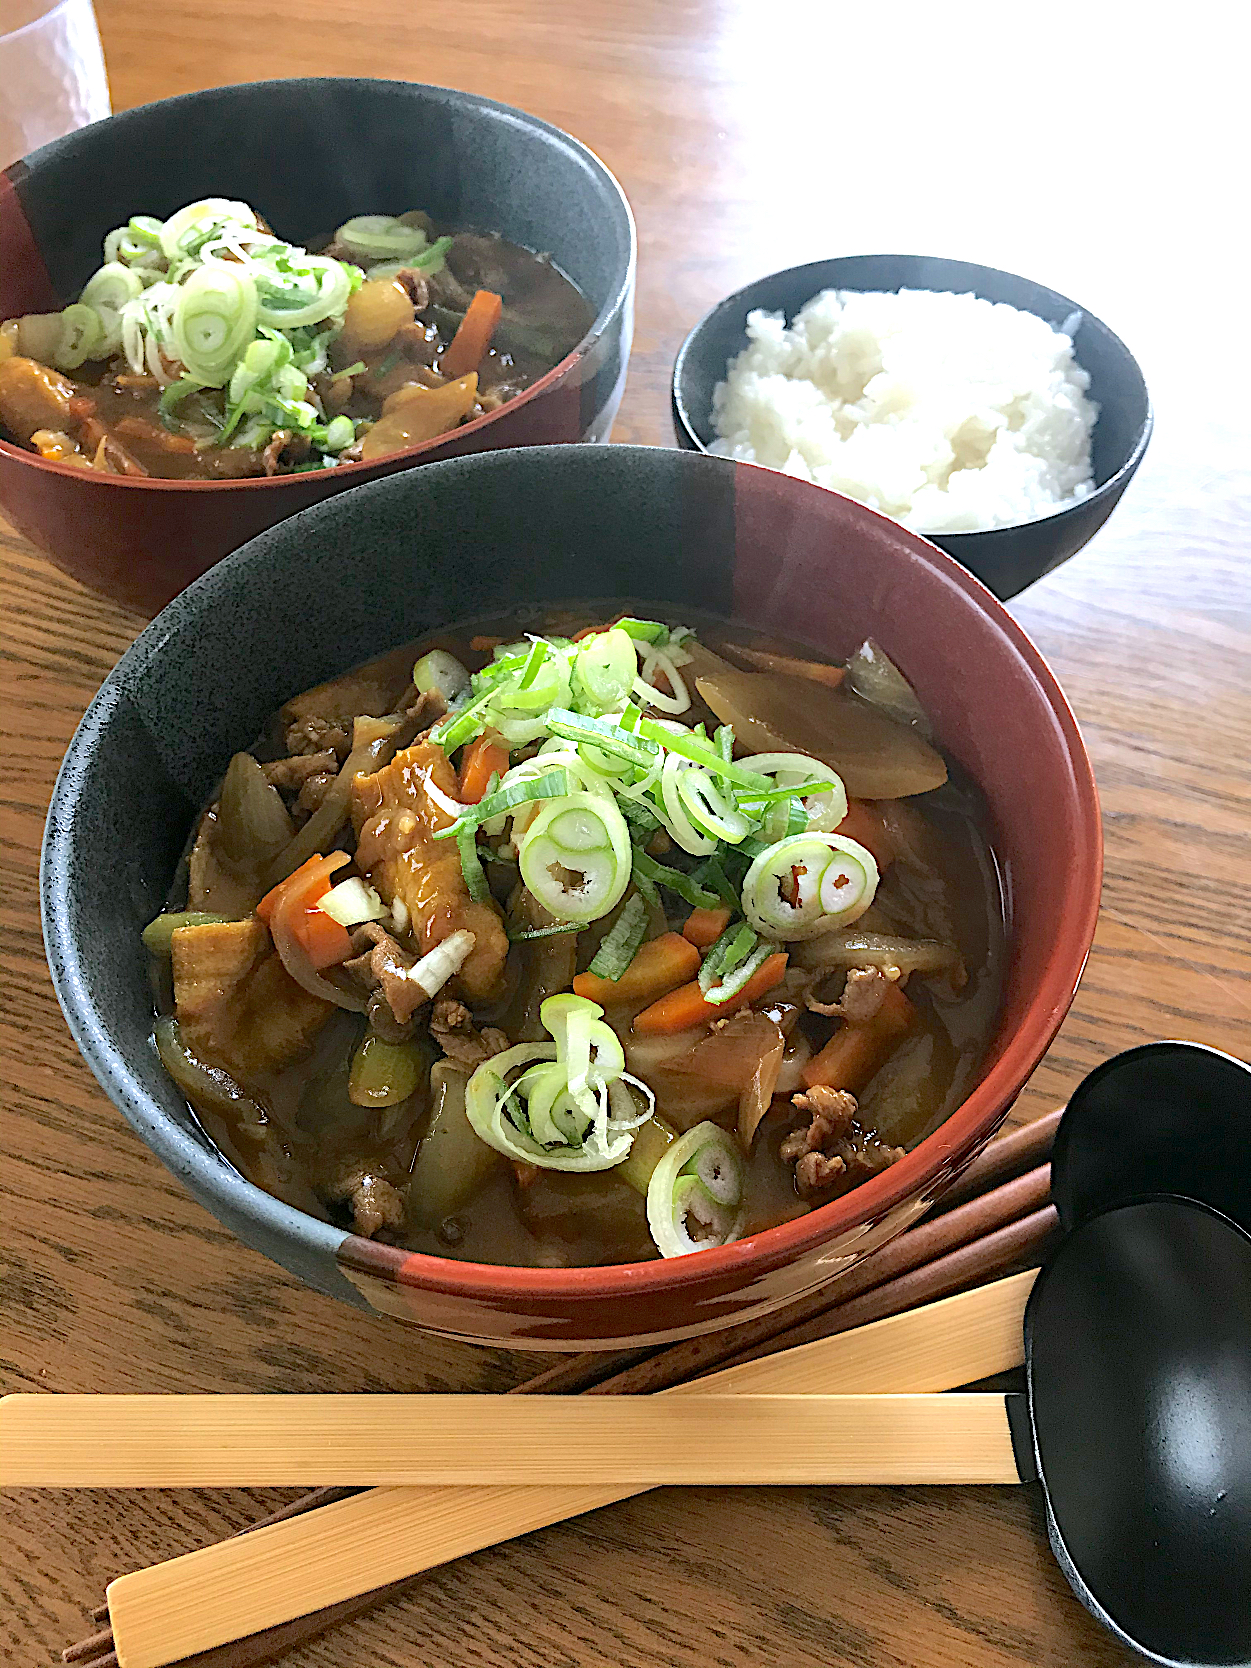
(1006, 559)
(394, 559)
(308, 154)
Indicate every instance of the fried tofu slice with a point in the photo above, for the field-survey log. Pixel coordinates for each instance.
(395, 821)
(236, 1004)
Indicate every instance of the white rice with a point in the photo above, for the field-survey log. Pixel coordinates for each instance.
(949, 413)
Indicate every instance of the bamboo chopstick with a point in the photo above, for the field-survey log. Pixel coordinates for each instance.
(237, 1587)
(874, 1295)
(474, 1440)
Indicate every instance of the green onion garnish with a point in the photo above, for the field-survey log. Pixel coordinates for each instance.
(522, 935)
(621, 944)
(471, 865)
(554, 785)
(660, 874)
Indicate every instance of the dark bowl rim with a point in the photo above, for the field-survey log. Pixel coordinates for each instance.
(358, 470)
(1114, 483)
(938, 1155)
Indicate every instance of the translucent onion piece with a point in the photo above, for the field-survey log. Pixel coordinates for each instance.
(698, 1184)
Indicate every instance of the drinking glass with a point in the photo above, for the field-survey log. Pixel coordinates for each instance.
(52, 76)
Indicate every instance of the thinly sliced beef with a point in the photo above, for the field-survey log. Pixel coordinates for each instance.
(834, 1153)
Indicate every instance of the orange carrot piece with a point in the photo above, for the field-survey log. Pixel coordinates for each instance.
(705, 926)
(482, 759)
(473, 338)
(863, 823)
(660, 966)
(687, 1006)
(855, 1052)
(816, 671)
(322, 939)
(273, 897)
(482, 644)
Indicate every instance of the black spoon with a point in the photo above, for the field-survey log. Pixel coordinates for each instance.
(1138, 1425)
(1170, 1117)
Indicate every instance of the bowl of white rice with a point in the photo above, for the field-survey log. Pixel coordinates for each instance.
(994, 416)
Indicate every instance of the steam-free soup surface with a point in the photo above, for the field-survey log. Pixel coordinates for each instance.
(848, 947)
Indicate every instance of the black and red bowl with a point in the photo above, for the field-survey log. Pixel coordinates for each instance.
(308, 154)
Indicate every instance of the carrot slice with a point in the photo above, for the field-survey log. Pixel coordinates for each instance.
(855, 1052)
(473, 338)
(705, 926)
(660, 965)
(288, 887)
(687, 1006)
(863, 823)
(482, 759)
(321, 938)
(816, 671)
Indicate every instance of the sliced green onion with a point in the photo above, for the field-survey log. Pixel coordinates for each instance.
(721, 987)
(340, 432)
(685, 886)
(621, 944)
(807, 884)
(471, 866)
(214, 320)
(674, 738)
(612, 738)
(380, 237)
(82, 334)
(710, 872)
(730, 951)
(459, 727)
(575, 856)
(525, 933)
(106, 292)
(567, 1107)
(431, 259)
(697, 1195)
(553, 785)
(644, 631)
(186, 232)
(604, 669)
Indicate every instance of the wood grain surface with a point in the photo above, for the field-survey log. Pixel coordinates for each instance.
(1093, 157)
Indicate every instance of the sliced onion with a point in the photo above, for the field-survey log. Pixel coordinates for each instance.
(437, 966)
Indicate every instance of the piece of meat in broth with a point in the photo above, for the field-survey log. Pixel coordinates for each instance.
(395, 821)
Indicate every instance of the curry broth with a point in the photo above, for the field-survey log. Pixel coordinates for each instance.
(309, 1130)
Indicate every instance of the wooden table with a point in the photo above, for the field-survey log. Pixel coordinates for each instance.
(748, 138)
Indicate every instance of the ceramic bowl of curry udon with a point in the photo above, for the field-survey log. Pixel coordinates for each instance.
(461, 557)
(141, 517)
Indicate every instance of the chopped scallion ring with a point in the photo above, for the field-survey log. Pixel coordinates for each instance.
(807, 884)
(697, 1197)
(575, 856)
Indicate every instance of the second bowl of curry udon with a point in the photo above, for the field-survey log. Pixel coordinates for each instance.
(592, 947)
(222, 329)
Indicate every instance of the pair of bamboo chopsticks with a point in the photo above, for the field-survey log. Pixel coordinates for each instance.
(996, 1218)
